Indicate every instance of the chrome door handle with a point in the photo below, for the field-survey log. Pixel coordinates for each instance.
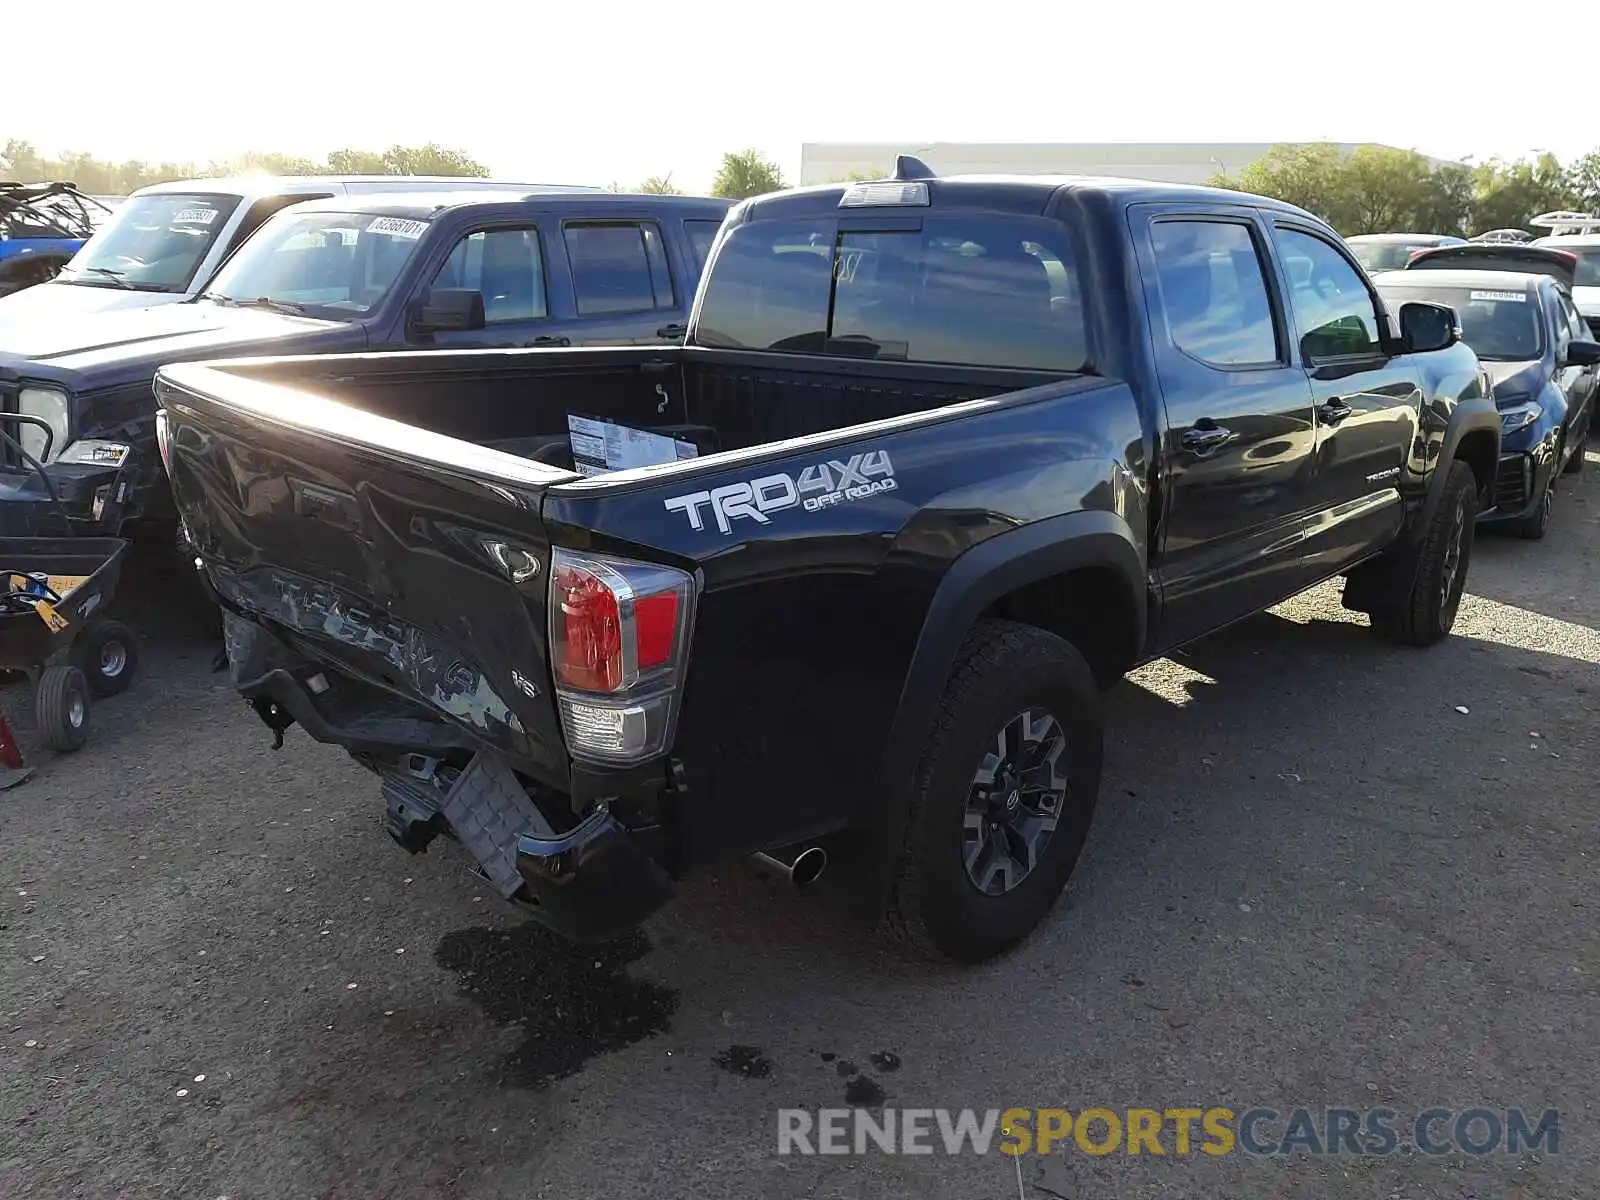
(1204, 440)
(1334, 411)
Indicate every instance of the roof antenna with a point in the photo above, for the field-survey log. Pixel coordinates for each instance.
(907, 166)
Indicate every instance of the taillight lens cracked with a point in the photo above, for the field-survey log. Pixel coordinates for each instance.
(619, 634)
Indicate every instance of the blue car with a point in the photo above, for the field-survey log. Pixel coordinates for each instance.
(42, 226)
(1537, 352)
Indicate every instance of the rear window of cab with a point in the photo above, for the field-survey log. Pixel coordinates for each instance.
(975, 290)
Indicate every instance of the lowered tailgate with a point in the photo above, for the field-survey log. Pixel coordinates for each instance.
(412, 561)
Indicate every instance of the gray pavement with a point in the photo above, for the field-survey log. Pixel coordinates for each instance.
(1312, 881)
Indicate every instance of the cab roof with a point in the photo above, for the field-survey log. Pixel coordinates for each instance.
(422, 205)
(1022, 194)
(252, 186)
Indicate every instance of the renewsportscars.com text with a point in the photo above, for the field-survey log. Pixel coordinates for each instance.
(1260, 1132)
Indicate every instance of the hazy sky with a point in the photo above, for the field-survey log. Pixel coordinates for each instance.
(539, 93)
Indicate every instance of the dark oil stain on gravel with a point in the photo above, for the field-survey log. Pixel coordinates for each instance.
(863, 1092)
(745, 1060)
(572, 1002)
(845, 1067)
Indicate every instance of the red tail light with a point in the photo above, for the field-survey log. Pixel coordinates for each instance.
(655, 625)
(590, 654)
(618, 637)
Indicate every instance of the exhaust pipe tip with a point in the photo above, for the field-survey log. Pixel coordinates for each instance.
(808, 866)
(805, 868)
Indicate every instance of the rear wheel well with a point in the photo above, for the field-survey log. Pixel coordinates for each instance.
(1477, 450)
(1090, 607)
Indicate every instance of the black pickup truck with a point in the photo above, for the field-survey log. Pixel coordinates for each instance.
(426, 270)
(940, 460)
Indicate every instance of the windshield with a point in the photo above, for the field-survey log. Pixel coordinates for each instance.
(1500, 326)
(342, 264)
(978, 290)
(152, 243)
(1386, 256)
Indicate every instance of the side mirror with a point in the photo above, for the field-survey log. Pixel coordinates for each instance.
(446, 310)
(1583, 353)
(1425, 327)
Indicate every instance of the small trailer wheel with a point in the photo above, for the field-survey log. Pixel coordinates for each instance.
(108, 656)
(61, 708)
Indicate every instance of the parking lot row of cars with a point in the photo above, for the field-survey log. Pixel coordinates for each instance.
(833, 549)
(1530, 310)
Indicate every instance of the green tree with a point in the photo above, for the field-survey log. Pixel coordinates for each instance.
(267, 164)
(660, 185)
(1379, 189)
(22, 161)
(1384, 189)
(746, 173)
(1507, 195)
(357, 162)
(1583, 182)
(1307, 176)
(1447, 206)
(432, 159)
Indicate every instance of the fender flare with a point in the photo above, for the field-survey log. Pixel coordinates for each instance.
(978, 577)
(1387, 580)
(1478, 414)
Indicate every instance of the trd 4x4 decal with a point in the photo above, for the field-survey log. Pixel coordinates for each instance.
(821, 485)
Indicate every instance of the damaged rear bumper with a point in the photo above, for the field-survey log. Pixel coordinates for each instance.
(593, 881)
(587, 881)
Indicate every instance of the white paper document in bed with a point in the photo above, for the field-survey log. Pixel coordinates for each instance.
(601, 446)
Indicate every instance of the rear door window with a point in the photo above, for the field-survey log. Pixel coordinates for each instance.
(618, 267)
(978, 291)
(1214, 292)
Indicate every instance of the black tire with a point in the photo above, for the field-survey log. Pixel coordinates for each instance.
(1004, 672)
(1536, 524)
(61, 708)
(1429, 612)
(108, 655)
(1575, 463)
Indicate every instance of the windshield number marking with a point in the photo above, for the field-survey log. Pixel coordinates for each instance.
(397, 227)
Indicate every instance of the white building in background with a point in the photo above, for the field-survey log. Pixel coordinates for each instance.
(1167, 162)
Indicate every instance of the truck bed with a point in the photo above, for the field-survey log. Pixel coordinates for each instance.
(519, 400)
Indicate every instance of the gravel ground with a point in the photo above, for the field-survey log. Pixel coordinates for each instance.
(1313, 881)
